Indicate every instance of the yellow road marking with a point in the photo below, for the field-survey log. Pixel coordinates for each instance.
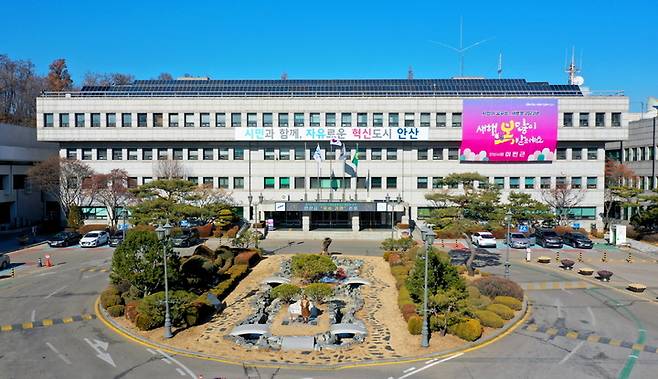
(47, 322)
(67, 320)
(6, 328)
(87, 317)
(533, 327)
(27, 325)
(593, 338)
(572, 335)
(542, 285)
(556, 285)
(614, 342)
(551, 331)
(638, 346)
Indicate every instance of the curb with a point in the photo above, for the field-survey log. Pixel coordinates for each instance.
(25, 247)
(471, 346)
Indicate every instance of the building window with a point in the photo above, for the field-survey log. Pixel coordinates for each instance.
(220, 120)
(173, 120)
(298, 119)
(391, 182)
(284, 154)
(300, 182)
(409, 120)
(330, 119)
(147, 179)
(208, 182)
(252, 120)
(222, 182)
(117, 154)
(456, 120)
(178, 154)
(499, 182)
(576, 154)
(238, 154)
(616, 119)
(223, 154)
(188, 118)
(315, 119)
(132, 182)
(194, 180)
(391, 154)
(421, 182)
(361, 119)
(86, 154)
(163, 154)
(157, 120)
(561, 154)
(514, 182)
(71, 153)
(205, 120)
(529, 182)
(377, 120)
(300, 154)
(126, 120)
(208, 154)
(599, 119)
(79, 120)
(583, 119)
(591, 182)
(283, 120)
(567, 119)
(267, 120)
(101, 154)
(236, 120)
(362, 183)
(362, 153)
(582, 213)
(441, 120)
(141, 120)
(376, 154)
(577, 182)
(268, 182)
(437, 154)
(48, 120)
(545, 182)
(592, 153)
(437, 182)
(376, 182)
(453, 154)
(422, 154)
(284, 182)
(269, 154)
(95, 120)
(560, 182)
(111, 120)
(132, 154)
(393, 120)
(238, 182)
(63, 120)
(147, 154)
(425, 120)
(346, 119)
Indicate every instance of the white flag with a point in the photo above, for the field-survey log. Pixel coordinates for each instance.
(343, 153)
(317, 155)
(336, 142)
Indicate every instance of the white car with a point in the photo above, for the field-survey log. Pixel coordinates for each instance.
(93, 239)
(483, 239)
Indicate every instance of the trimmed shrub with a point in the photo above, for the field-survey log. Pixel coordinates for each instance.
(110, 298)
(130, 310)
(238, 272)
(394, 259)
(505, 312)
(493, 286)
(250, 258)
(415, 325)
(386, 255)
(205, 251)
(205, 230)
(489, 319)
(224, 287)
(198, 273)
(232, 232)
(116, 310)
(511, 302)
(318, 292)
(143, 228)
(469, 329)
(153, 307)
(479, 302)
(400, 273)
(311, 266)
(404, 297)
(408, 311)
(473, 292)
(145, 322)
(285, 292)
(198, 311)
(84, 229)
(218, 233)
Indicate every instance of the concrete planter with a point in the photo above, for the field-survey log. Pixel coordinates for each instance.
(637, 287)
(567, 264)
(586, 271)
(604, 275)
(544, 259)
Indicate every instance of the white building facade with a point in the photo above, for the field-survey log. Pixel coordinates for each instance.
(257, 140)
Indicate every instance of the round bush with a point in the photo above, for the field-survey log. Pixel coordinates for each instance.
(473, 292)
(469, 330)
(408, 311)
(505, 312)
(311, 266)
(386, 255)
(479, 302)
(318, 292)
(110, 299)
(145, 322)
(153, 306)
(116, 310)
(394, 259)
(415, 325)
(130, 310)
(511, 302)
(493, 286)
(286, 292)
(489, 319)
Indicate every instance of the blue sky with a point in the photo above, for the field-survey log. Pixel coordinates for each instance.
(341, 39)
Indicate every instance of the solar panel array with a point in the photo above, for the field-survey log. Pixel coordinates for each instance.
(334, 88)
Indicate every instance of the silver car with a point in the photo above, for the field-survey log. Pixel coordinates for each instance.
(4, 261)
(518, 241)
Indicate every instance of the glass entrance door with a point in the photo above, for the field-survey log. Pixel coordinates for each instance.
(331, 220)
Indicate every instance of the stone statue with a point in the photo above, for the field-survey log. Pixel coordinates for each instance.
(325, 246)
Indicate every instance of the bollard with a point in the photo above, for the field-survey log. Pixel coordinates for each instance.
(557, 256)
(443, 242)
(528, 255)
(39, 263)
(605, 256)
(580, 256)
(629, 259)
(13, 273)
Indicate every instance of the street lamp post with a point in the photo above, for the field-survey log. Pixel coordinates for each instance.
(163, 233)
(125, 227)
(428, 236)
(388, 200)
(260, 201)
(508, 218)
(250, 199)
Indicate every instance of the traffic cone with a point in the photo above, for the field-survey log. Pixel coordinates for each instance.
(48, 262)
(557, 256)
(580, 256)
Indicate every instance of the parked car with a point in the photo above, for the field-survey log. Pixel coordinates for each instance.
(186, 238)
(517, 241)
(63, 239)
(548, 238)
(191, 222)
(578, 240)
(95, 238)
(483, 239)
(116, 238)
(4, 261)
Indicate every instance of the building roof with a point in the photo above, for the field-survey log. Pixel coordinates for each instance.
(458, 87)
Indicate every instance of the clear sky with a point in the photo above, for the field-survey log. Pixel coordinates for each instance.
(237, 39)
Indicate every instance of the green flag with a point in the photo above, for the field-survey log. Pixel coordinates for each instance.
(355, 159)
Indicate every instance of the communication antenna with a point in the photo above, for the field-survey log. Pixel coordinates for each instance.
(410, 73)
(500, 65)
(572, 70)
(461, 49)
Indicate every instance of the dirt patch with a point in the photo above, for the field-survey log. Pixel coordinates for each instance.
(299, 328)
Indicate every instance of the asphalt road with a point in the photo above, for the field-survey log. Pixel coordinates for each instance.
(80, 348)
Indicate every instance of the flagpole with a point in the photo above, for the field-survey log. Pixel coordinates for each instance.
(331, 173)
(305, 174)
(342, 182)
(356, 174)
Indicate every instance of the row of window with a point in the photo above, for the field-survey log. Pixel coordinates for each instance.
(641, 182)
(298, 153)
(636, 154)
(575, 213)
(344, 119)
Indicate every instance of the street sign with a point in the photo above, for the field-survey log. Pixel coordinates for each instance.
(523, 228)
(576, 225)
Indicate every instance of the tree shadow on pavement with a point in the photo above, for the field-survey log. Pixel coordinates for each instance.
(483, 257)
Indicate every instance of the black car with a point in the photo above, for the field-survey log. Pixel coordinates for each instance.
(63, 239)
(578, 240)
(186, 238)
(116, 238)
(548, 238)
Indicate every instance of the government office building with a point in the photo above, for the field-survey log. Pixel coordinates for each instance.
(258, 140)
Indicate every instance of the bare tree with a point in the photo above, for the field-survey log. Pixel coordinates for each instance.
(58, 78)
(617, 194)
(165, 76)
(111, 190)
(106, 79)
(562, 199)
(170, 169)
(64, 180)
(19, 86)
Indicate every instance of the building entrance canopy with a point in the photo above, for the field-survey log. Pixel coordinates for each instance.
(328, 206)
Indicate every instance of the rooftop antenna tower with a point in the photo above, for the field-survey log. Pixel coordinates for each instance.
(461, 50)
(500, 65)
(572, 70)
(410, 73)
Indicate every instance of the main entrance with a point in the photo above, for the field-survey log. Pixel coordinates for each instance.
(331, 220)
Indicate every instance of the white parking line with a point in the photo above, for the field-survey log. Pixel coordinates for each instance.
(430, 365)
(572, 352)
(54, 292)
(409, 369)
(61, 356)
(181, 372)
(187, 370)
(33, 315)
